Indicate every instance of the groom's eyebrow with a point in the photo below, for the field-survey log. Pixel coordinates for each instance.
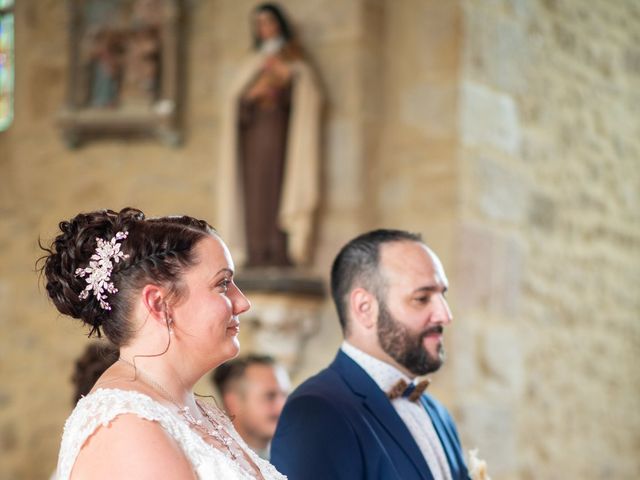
(430, 289)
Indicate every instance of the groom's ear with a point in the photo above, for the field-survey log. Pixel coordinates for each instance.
(364, 308)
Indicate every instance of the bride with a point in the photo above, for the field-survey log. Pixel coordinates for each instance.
(162, 291)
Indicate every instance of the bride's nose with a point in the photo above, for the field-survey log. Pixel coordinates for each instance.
(240, 303)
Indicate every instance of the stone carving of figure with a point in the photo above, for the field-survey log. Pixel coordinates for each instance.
(268, 189)
(142, 65)
(104, 67)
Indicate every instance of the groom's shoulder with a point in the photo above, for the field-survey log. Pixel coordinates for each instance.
(328, 389)
(324, 402)
(322, 384)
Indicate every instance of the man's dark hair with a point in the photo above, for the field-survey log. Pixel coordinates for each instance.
(233, 370)
(357, 263)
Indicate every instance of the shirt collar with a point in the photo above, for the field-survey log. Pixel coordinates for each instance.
(384, 374)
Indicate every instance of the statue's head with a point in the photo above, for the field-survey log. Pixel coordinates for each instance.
(268, 22)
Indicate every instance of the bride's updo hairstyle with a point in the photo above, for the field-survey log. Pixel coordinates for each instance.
(157, 251)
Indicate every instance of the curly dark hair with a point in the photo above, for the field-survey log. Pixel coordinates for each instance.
(158, 249)
(94, 360)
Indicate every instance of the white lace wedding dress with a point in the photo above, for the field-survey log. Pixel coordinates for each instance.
(102, 406)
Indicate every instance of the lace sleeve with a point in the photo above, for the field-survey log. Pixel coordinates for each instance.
(101, 408)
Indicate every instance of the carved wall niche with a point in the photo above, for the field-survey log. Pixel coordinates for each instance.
(286, 310)
(123, 70)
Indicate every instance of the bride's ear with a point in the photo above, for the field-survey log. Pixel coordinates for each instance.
(154, 299)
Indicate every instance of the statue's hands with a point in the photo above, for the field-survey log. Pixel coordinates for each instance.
(261, 88)
(277, 67)
(275, 73)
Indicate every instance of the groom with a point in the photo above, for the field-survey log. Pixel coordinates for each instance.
(366, 416)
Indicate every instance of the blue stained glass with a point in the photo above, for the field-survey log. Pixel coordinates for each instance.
(6, 64)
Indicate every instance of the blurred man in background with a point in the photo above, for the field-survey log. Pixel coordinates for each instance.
(253, 390)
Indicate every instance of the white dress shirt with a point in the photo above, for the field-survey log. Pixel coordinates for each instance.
(412, 414)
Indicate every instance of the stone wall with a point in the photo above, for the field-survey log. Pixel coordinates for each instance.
(503, 130)
(548, 256)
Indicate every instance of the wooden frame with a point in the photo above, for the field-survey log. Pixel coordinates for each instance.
(123, 70)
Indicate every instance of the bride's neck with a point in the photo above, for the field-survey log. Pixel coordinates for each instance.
(168, 377)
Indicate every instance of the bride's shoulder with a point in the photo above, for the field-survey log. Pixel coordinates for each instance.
(122, 411)
(110, 423)
(130, 430)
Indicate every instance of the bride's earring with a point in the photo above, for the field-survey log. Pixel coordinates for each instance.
(170, 325)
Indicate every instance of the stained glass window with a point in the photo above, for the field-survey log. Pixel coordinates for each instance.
(6, 63)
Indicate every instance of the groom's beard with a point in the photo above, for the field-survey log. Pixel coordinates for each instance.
(406, 347)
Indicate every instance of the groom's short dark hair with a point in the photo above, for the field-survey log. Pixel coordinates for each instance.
(357, 265)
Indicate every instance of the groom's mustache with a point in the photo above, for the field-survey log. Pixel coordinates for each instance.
(438, 329)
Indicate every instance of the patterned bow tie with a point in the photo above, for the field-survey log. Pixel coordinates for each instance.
(410, 391)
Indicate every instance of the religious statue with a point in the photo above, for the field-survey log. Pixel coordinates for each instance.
(269, 159)
(140, 83)
(143, 59)
(104, 63)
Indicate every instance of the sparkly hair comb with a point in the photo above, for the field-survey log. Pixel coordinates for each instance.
(100, 268)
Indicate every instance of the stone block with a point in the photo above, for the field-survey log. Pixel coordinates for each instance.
(521, 9)
(431, 108)
(5, 397)
(542, 212)
(394, 194)
(464, 352)
(497, 50)
(327, 21)
(4, 296)
(343, 170)
(8, 436)
(489, 118)
(503, 194)
(492, 428)
(438, 26)
(632, 61)
(501, 357)
(489, 271)
(340, 81)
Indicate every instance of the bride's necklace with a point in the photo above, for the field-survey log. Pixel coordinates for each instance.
(217, 432)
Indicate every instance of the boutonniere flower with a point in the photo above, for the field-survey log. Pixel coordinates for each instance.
(477, 466)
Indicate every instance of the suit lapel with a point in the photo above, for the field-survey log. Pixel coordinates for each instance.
(448, 443)
(379, 406)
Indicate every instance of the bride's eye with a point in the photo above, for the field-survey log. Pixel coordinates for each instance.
(224, 285)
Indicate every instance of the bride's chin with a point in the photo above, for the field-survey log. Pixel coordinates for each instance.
(228, 352)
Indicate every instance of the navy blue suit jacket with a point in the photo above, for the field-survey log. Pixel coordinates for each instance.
(340, 425)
